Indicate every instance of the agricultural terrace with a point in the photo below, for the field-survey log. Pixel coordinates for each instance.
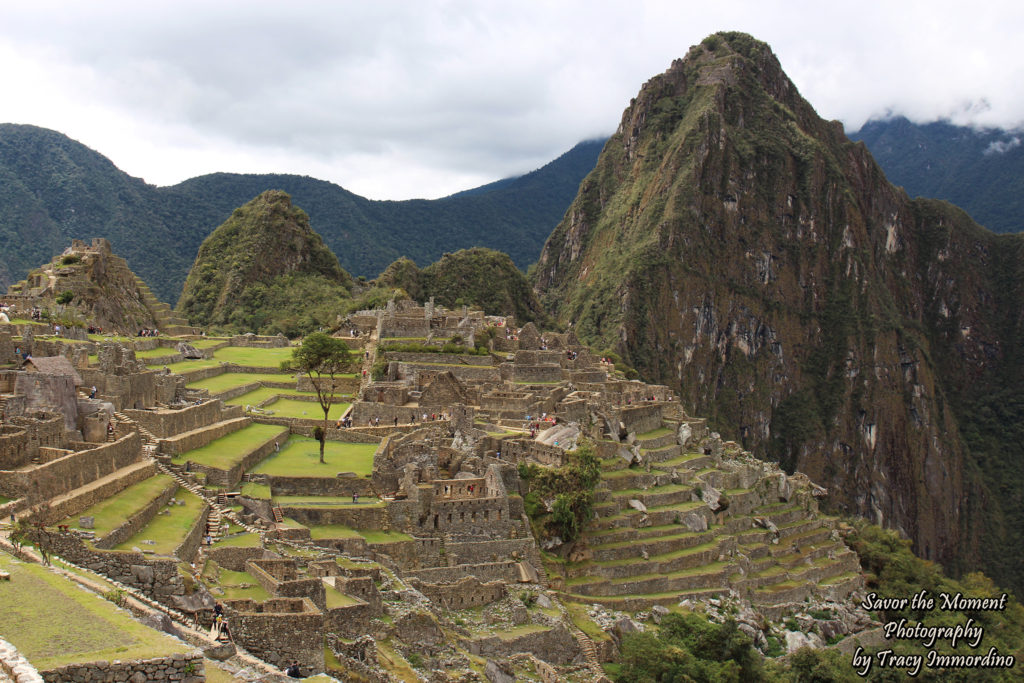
(110, 513)
(300, 457)
(225, 452)
(63, 624)
(168, 529)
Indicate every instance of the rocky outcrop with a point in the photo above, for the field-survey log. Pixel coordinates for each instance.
(764, 268)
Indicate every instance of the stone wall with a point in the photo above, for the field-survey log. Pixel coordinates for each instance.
(44, 429)
(230, 477)
(156, 577)
(555, 645)
(319, 486)
(537, 373)
(450, 358)
(188, 548)
(254, 341)
(234, 559)
(188, 441)
(136, 522)
(14, 448)
(280, 578)
(75, 470)
(462, 372)
(86, 498)
(354, 517)
(642, 418)
(519, 450)
(279, 631)
(167, 423)
(177, 667)
(467, 592)
(391, 393)
(363, 412)
(487, 571)
(342, 385)
(134, 390)
(350, 621)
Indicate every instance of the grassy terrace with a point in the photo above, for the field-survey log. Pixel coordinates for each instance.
(654, 434)
(309, 410)
(300, 457)
(230, 380)
(257, 396)
(168, 531)
(113, 511)
(225, 452)
(236, 585)
(85, 629)
(253, 357)
(342, 531)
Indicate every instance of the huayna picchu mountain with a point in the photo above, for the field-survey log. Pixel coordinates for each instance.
(739, 248)
(264, 270)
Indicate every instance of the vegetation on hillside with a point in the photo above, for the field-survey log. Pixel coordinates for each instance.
(560, 500)
(265, 270)
(53, 189)
(688, 647)
(476, 277)
(979, 170)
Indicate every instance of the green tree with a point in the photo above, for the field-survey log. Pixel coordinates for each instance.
(322, 358)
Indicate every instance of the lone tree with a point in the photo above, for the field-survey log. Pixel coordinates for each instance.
(322, 358)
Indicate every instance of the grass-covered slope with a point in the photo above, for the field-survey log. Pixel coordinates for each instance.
(265, 270)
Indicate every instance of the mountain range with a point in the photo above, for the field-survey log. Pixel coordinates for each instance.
(53, 189)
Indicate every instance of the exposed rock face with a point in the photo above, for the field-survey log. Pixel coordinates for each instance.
(732, 244)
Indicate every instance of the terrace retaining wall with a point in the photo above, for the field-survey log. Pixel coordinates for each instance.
(167, 423)
(177, 667)
(136, 522)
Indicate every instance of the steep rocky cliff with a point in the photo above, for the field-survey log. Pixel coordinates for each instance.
(264, 270)
(736, 246)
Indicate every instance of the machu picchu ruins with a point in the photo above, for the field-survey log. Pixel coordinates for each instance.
(182, 470)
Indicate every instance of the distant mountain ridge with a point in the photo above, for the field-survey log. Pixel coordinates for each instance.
(979, 170)
(54, 189)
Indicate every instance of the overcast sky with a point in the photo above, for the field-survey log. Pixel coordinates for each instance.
(394, 100)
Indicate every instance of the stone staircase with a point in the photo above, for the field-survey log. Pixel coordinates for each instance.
(149, 441)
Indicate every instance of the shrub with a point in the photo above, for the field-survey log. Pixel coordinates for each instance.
(70, 259)
(65, 297)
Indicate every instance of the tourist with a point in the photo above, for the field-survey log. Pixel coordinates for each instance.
(355, 498)
(292, 670)
(92, 392)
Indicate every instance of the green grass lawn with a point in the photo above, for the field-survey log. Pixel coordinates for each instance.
(332, 531)
(253, 357)
(4, 500)
(253, 490)
(118, 508)
(236, 585)
(300, 457)
(257, 396)
(168, 531)
(338, 599)
(230, 380)
(241, 541)
(309, 410)
(224, 452)
(53, 622)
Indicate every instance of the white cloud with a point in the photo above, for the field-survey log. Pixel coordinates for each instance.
(1001, 146)
(401, 99)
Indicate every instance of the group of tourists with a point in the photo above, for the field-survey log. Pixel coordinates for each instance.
(146, 332)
